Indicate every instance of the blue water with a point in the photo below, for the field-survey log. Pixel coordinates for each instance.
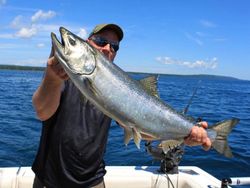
(216, 100)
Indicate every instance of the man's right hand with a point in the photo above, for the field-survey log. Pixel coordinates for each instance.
(54, 66)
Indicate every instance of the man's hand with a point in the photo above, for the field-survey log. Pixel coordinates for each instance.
(198, 136)
(54, 69)
(57, 69)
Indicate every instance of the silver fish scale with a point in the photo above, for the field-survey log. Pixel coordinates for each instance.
(126, 99)
(118, 95)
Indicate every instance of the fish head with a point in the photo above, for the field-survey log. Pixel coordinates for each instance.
(74, 53)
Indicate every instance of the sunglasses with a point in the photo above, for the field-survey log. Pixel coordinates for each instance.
(100, 41)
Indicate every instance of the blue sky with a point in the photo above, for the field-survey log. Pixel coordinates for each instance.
(165, 36)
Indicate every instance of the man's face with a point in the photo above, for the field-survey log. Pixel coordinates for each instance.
(106, 42)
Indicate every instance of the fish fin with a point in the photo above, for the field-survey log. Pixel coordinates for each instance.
(93, 90)
(220, 144)
(128, 135)
(150, 85)
(170, 144)
(137, 138)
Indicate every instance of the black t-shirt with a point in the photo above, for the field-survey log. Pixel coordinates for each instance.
(72, 143)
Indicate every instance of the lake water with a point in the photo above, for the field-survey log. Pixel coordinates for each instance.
(216, 100)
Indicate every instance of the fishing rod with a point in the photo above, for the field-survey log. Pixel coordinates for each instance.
(225, 182)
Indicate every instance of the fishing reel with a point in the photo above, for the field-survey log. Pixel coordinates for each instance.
(169, 161)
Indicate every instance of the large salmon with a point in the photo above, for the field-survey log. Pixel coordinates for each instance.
(128, 101)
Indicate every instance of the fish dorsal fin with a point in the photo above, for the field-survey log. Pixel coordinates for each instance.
(150, 85)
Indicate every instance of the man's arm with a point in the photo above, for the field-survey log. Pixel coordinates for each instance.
(47, 97)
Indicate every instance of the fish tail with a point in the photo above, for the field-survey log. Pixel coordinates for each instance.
(223, 129)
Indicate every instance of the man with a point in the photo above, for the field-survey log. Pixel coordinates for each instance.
(74, 133)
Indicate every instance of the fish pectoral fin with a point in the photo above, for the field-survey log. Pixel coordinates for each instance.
(91, 87)
(150, 85)
(128, 134)
(170, 144)
(137, 137)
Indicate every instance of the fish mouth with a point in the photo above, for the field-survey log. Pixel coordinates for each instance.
(61, 48)
(59, 45)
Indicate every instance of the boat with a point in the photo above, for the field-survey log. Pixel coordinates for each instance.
(124, 177)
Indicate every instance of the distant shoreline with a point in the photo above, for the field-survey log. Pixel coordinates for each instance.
(20, 67)
(32, 68)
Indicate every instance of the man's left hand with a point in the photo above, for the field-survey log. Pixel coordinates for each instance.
(198, 136)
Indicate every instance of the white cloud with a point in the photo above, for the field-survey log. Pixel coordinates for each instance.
(30, 27)
(166, 60)
(40, 45)
(82, 33)
(47, 27)
(17, 22)
(207, 23)
(33, 30)
(195, 39)
(207, 64)
(41, 15)
(200, 34)
(27, 28)
(26, 32)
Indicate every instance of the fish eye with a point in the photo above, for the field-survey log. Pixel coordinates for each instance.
(72, 40)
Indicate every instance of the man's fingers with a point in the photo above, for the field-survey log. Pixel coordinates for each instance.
(198, 136)
(56, 67)
(207, 144)
(52, 61)
(203, 124)
(65, 76)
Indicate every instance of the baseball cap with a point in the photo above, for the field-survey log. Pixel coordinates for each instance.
(114, 27)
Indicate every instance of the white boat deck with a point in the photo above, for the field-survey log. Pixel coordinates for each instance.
(124, 177)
